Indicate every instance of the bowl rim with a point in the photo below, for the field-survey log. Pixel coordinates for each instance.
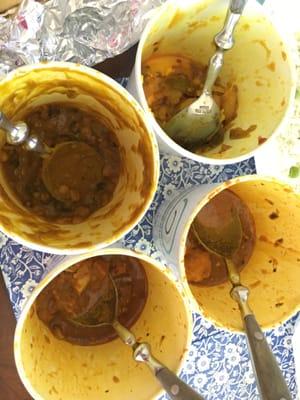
(287, 40)
(68, 66)
(182, 273)
(71, 260)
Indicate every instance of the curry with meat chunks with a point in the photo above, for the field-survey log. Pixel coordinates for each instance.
(206, 269)
(81, 294)
(172, 83)
(79, 194)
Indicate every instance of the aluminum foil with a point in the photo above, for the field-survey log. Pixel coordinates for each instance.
(83, 31)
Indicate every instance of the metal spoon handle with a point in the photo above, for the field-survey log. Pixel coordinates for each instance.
(124, 334)
(15, 133)
(271, 383)
(268, 374)
(224, 39)
(214, 68)
(175, 387)
(5, 123)
(33, 143)
(18, 133)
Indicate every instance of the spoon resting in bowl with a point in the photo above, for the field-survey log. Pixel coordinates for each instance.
(69, 167)
(223, 238)
(199, 122)
(105, 312)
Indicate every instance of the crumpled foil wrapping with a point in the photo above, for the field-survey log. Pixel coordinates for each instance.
(83, 31)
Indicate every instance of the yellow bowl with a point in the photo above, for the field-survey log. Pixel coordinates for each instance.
(273, 272)
(53, 369)
(260, 65)
(35, 85)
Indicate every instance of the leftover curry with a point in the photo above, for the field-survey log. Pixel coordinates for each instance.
(172, 83)
(206, 269)
(81, 291)
(84, 178)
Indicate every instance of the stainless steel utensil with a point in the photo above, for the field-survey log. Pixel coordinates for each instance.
(107, 314)
(18, 134)
(224, 241)
(200, 121)
(62, 158)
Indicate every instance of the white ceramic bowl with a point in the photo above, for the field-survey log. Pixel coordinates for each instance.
(74, 84)
(260, 65)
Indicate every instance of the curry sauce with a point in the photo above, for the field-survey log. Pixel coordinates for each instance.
(56, 124)
(207, 269)
(171, 83)
(77, 299)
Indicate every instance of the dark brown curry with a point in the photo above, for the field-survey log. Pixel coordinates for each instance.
(76, 292)
(172, 83)
(78, 195)
(206, 269)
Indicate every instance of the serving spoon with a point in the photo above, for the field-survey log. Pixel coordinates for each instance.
(224, 239)
(104, 313)
(69, 167)
(200, 121)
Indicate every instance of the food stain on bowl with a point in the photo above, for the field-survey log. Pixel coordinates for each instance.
(173, 82)
(57, 361)
(268, 257)
(86, 198)
(256, 84)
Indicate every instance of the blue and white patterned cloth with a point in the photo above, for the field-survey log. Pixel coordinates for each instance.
(218, 363)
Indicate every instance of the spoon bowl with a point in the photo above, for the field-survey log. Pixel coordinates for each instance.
(71, 170)
(105, 311)
(223, 230)
(224, 240)
(196, 124)
(199, 122)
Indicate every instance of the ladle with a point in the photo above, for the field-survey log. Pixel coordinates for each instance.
(201, 120)
(224, 239)
(105, 312)
(69, 167)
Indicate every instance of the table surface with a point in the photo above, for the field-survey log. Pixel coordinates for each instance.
(10, 386)
(207, 356)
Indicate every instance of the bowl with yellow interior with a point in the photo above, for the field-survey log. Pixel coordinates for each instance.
(99, 171)
(59, 357)
(267, 254)
(255, 88)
